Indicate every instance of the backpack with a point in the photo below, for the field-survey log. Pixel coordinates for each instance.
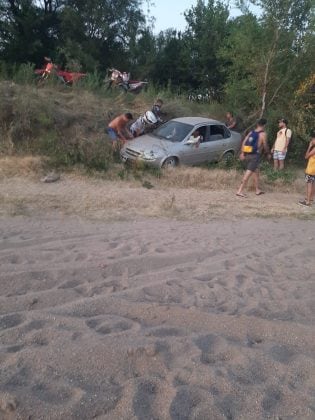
(251, 143)
(285, 133)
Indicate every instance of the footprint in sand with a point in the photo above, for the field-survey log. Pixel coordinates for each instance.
(10, 321)
(110, 325)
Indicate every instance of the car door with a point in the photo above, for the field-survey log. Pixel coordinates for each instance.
(192, 154)
(215, 144)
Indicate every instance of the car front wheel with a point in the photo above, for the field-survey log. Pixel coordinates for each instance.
(170, 162)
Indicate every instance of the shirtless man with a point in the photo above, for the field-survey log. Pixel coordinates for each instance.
(118, 131)
(252, 147)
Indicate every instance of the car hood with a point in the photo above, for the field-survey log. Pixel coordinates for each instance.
(148, 142)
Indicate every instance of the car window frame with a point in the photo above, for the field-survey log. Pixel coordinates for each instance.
(226, 132)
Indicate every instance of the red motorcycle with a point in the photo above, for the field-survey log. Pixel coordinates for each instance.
(66, 77)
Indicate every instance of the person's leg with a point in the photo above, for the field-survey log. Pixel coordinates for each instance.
(281, 164)
(309, 190)
(245, 179)
(275, 160)
(309, 187)
(312, 191)
(256, 182)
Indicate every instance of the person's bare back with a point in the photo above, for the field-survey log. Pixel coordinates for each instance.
(119, 125)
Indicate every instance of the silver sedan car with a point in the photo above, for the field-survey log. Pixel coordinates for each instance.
(187, 140)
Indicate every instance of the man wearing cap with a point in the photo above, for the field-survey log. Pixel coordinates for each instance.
(280, 148)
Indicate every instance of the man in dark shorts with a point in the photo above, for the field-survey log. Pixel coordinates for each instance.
(252, 147)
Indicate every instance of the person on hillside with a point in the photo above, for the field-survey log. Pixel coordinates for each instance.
(125, 79)
(116, 77)
(49, 68)
(230, 122)
(310, 173)
(156, 109)
(252, 147)
(118, 131)
(138, 127)
(280, 147)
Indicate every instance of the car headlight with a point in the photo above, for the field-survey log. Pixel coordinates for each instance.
(149, 155)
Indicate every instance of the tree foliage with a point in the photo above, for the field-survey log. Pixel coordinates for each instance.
(254, 64)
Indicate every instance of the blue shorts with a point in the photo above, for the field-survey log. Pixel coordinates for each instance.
(112, 134)
(277, 155)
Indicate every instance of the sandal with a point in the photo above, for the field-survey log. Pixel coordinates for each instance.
(304, 203)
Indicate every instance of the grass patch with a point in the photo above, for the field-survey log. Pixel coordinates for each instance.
(286, 176)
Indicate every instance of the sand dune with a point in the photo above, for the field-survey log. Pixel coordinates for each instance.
(155, 319)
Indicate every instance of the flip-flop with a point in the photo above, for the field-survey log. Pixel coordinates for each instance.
(241, 195)
(260, 193)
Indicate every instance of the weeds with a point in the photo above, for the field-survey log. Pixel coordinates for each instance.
(286, 176)
(68, 126)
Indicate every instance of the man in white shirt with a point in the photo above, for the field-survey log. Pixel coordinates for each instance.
(280, 148)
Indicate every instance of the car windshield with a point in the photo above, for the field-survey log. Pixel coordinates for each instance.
(173, 131)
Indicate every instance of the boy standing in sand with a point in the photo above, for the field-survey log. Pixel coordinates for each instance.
(253, 145)
(310, 173)
(118, 131)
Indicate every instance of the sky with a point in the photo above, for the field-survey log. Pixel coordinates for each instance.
(170, 13)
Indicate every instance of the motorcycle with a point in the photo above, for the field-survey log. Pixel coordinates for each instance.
(66, 77)
(122, 81)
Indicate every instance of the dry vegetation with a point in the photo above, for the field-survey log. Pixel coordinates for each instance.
(63, 130)
(195, 194)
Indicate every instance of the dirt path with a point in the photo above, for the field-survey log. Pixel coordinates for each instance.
(120, 200)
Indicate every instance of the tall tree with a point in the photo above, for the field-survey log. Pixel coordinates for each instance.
(207, 25)
(278, 52)
(27, 31)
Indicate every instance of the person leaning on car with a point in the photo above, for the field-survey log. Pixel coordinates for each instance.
(117, 129)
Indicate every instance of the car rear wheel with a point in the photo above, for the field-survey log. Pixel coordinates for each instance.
(170, 162)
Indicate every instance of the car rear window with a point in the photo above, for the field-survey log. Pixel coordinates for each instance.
(173, 131)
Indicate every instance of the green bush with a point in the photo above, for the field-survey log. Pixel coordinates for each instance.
(287, 176)
(23, 74)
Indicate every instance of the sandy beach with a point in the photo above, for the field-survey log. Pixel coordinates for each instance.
(156, 319)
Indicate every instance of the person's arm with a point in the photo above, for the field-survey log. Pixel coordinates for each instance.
(310, 150)
(121, 135)
(242, 145)
(120, 131)
(264, 143)
(128, 133)
(288, 135)
(232, 124)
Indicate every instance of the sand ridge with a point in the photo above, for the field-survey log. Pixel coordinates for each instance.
(156, 319)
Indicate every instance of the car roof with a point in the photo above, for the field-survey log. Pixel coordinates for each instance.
(196, 120)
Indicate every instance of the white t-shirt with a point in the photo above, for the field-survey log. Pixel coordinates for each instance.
(282, 136)
(193, 140)
(137, 128)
